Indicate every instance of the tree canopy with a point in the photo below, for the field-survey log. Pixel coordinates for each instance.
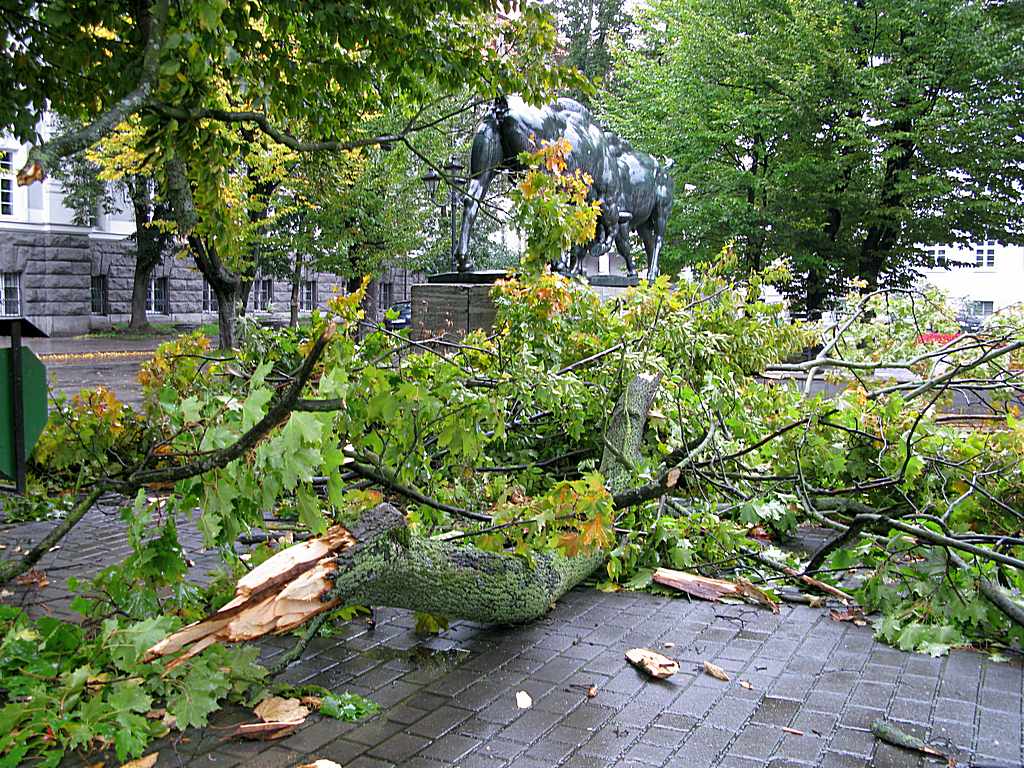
(219, 86)
(843, 136)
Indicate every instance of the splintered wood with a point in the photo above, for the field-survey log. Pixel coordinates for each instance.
(275, 597)
(713, 589)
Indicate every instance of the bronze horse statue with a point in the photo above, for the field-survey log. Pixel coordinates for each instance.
(634, 190)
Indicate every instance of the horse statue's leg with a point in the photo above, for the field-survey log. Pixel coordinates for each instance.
(623, 249)
(485, 159)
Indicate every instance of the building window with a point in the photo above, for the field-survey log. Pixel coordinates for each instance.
(980, 308)
(938, 256)
(308, 300)
(263, 294)
(156, 298)
(6, 182)
(387, 295)
(985, 254)
(99, 294)
(209, 298)
(10, 294)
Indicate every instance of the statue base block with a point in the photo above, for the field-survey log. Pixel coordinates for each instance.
(450, 309)
(476, 277)
(611, 286)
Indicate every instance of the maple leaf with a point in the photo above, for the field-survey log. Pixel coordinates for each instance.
(596, 532)
(569, 544)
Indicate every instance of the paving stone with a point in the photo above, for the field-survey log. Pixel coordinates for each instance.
(827, 679)
(772, 711)
(703, 746)
(439, 722)
(651, 754)
(801, 749)
(451, 747)
(399, 747)
(756, 741)
(842, 760)
(374, 732)
(860, 717)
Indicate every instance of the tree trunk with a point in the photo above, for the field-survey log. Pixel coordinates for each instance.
(225, 317)
(149, 244)
(378, 562)
(625, 431)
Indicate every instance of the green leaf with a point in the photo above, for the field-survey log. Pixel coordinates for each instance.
(129, 696)
(254, 406)
(127, 644)
(308, 505)
(347, 706)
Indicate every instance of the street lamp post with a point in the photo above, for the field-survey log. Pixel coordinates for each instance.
(431, 179)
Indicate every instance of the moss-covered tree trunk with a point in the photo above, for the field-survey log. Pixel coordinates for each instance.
(446, 579)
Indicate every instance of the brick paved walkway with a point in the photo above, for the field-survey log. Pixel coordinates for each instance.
(450, 700)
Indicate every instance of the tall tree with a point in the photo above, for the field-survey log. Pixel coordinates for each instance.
(588, 28)
(840, 135)
(105, 178)
(202, 74)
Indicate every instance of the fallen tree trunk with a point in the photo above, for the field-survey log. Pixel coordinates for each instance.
(377, 562)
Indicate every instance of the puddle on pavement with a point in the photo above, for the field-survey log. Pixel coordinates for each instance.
(429, 658)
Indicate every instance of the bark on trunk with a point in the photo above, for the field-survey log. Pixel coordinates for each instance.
(225, 318)
(378, 563)
(625, 430)
(149, 244)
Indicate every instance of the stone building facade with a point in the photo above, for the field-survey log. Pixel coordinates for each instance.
(71, 279)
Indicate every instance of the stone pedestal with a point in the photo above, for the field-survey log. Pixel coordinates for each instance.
(611, 286)
(453, 304)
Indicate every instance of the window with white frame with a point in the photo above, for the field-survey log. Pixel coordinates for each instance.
(209, 297)
(10, 293)
(938, 256)
(308, 299)
(6, 182)
(99, 294)
(156, 297)
(985, 254)
(262, 294)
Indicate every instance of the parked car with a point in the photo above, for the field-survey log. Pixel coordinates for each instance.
(399, 316)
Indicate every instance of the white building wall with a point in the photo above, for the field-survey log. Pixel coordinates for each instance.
(1000, 282)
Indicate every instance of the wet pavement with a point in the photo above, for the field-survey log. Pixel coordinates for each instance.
(804, 689)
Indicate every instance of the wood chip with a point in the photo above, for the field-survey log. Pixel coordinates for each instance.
(713, 589)
(716, 671)
(652, 662)
(746, 684)
(591, 692)
(148, 761)
(34, 578)
(793, 731)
